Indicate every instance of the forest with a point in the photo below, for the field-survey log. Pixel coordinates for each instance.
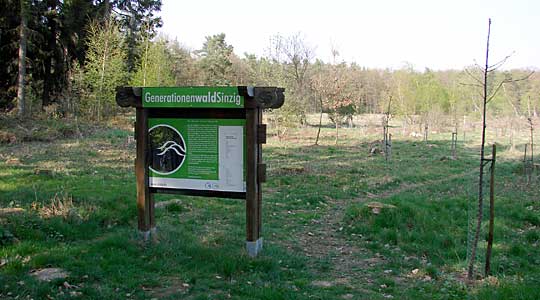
(67, 58)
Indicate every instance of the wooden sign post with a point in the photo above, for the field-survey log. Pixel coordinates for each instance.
(201, 141)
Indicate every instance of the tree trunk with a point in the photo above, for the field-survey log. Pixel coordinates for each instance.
(107, 10)
(487, 269)
(131, 43)
(529, 106)
(320, 123)
(51, 47)
(337, 130)
(21, 97)
(102, 71)
(145, 64)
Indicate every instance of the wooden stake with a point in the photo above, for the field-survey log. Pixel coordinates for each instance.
(526, 165)
(389, 147)
(532, 141)
(491, 212)
(454, 144)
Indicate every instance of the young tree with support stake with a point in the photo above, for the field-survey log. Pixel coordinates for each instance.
(386, 134)
(487, 96)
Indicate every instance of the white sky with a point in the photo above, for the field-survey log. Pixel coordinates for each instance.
(437, 34)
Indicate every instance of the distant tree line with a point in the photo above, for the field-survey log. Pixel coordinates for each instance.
(78, 51)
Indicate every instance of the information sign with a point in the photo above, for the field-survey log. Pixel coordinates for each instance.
(201, 141)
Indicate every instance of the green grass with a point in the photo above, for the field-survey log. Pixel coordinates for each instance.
(322, 240)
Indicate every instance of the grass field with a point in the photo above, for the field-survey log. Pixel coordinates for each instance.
(338, 223)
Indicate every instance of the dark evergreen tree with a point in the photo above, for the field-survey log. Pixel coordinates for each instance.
(215, 60)
(9, 21)
(137, 19)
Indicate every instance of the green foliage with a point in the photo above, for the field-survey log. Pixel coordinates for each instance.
(104, 69)
(139, 21)
(183, 66)
(215, 60)
(155, 68)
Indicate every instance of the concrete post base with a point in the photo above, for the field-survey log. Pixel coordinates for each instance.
(254, 248)
(148, 236)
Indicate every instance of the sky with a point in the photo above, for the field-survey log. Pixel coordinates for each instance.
(372, 33)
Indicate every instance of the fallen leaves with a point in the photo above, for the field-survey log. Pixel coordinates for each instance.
(322, 283)
(377, 207)
(49, 274)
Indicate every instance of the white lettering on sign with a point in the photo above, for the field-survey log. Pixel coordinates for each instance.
(215, 97)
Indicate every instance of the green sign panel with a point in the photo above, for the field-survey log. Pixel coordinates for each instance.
(197, 154)
(192, 97)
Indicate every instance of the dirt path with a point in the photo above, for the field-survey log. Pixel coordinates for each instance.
(350, 263)
(408, 186)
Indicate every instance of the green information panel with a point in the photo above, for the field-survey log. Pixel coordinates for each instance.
(197, 154)
(192, 97)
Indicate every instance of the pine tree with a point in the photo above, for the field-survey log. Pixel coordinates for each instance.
(215, 60)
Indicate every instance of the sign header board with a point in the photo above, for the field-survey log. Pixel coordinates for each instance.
(192, 97)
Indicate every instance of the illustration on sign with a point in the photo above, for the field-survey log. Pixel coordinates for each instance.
(170, 142)
(198, 154)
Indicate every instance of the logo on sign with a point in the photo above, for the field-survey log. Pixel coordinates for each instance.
(167, 149)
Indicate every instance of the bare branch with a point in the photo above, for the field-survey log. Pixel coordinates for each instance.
(471, 84)
(507, 80)
(496, 91)
(500, 63)
(472, 76)
(523, 78)
(477, 65)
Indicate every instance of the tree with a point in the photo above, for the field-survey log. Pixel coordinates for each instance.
(431, 99)
(183, 65)
(338, 101)
(489, 91)
(9, 51)
(215, 60)
(403, 84)
(104, 68)
(50, 48)
(155, 68)
(74, 18)
(318, 84)
(334, 93)
(137, 19)
(294, 56)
